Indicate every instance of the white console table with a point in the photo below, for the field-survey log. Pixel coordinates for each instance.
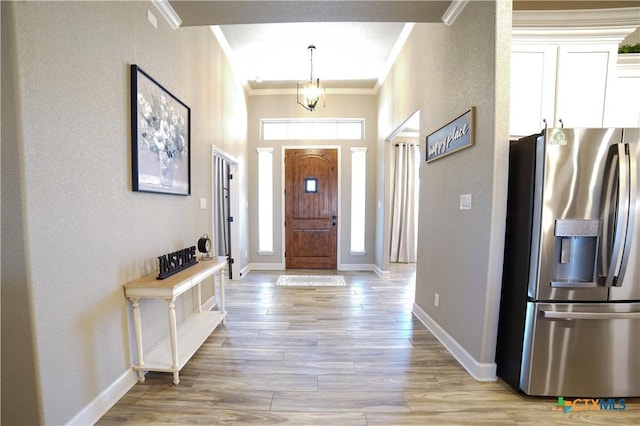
(184, 340)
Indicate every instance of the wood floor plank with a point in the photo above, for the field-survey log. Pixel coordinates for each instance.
(256, 382)
(379, 382)
(292, 418)
(363, 401)
(414, 418)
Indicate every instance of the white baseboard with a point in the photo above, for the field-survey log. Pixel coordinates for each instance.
(97, 408)
(244, 271)
(482, 372)
(266, 267)
(209, 303)
(382, 274)
(356, 267)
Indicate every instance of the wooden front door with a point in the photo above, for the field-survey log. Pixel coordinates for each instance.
(311, 208)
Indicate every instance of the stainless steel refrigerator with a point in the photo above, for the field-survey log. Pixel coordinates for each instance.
(570, 304)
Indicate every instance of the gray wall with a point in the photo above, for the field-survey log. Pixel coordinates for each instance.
(72, 230)
(443, 71)
(338, 106)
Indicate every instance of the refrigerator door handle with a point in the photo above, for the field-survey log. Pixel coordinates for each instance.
(613, 260)
(590, 315)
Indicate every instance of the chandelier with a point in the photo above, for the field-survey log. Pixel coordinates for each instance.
(309, 93)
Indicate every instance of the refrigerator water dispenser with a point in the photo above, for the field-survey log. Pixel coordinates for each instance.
(575, 253)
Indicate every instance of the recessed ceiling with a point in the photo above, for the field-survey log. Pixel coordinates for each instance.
(267, 40)
(346, 54)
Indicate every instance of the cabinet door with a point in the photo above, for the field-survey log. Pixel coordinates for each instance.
(533, 83)
(585, 75)
(625, 104)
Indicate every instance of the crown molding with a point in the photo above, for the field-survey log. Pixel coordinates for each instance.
(628, 65)
(575, 26)
(328, 91)
(453, 11)
(168, 12)
(395, 52)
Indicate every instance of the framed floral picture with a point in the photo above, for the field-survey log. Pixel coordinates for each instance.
(160, 137)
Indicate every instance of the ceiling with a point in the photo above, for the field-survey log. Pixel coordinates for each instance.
(267, 41)
(356, 41)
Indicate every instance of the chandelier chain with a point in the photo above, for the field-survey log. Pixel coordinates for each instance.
(311, 48)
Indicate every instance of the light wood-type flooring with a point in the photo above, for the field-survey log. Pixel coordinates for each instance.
(338, 356)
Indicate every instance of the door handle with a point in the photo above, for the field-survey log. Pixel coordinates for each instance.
(613, 258)
(589, 315)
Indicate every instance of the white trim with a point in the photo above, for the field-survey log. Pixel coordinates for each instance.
(357, 253)
(482, 372)
(168, 13)
(228, 51)
(356, 267)
(382, 274)
(395, 52)
(235, 199)
(210, 303)
(266, 267)
(97, 408)
(265, 253)
(574, 26)
(453, 11)
(245, 271)
(328, 91)
(628, 65)
(220, 153)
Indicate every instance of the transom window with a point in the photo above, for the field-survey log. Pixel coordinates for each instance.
(318, 129)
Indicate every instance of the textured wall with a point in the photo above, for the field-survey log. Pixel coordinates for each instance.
(443, 71)
(85, 231)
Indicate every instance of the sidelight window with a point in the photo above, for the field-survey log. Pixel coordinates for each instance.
(358, 189)
(265, 200)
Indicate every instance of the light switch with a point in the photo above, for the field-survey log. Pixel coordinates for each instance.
(203, 203)
(465, 202)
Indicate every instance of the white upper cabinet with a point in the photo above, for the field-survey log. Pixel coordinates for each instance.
(624, 111)
(564, 70)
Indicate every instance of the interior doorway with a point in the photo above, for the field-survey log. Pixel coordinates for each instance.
(225, 236)
(404, 165)
(311, 208)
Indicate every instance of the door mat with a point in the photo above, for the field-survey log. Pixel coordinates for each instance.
(311, 280)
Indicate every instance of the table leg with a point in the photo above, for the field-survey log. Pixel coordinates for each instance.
(222, 308)
(173, 335)
(199, 297)
(137, 326)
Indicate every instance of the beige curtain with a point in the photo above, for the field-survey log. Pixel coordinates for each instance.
(404, 207)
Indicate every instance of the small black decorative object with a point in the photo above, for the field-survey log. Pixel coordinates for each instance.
(174, 262)
(204, 246)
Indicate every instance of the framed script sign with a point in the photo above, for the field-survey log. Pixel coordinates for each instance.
(452, 137)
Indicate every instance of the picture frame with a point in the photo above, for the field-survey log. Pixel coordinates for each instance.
(160, 137)
(457, 134)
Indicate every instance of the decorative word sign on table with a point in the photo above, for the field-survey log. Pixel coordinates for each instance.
(175, 351)
(171, 263)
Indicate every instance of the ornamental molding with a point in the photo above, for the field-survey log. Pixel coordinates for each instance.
(168, 13)
(628, 65)
(574, 26)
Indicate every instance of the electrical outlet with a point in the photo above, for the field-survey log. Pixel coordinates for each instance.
(436, 300)
(203, 203)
